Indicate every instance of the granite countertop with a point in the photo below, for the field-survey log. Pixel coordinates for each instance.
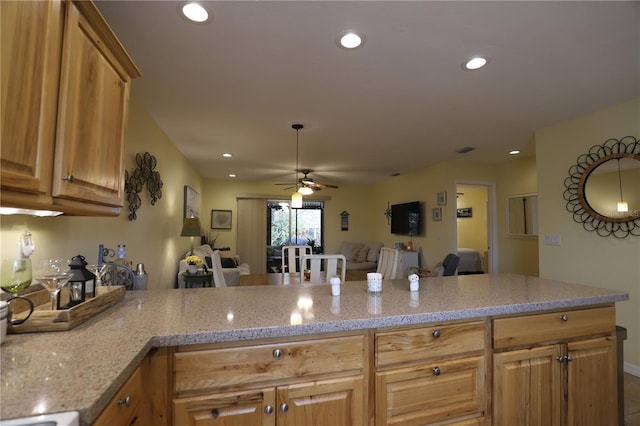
(83, 368)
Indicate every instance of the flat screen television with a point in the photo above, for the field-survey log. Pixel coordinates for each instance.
(405, 218)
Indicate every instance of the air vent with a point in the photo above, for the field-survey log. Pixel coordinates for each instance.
(465, 149)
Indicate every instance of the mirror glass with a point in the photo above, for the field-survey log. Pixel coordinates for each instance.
(602, 187)
(522, 215)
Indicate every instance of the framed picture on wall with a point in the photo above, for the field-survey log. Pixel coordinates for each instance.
(465, 212)
(191, 203)
(442, 198)
(220, 219)
(436, 214)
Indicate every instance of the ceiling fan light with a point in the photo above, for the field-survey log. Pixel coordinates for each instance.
(305, 190)
(622, 207)
(296, 200)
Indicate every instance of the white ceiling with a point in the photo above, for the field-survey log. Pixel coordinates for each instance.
(399, 103)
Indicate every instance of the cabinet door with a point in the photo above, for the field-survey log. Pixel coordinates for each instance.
(94, 98)
(31, 45)
(592, 390)
(124, 408)
(439, 391)
(527, 387)
(335, 402)
(251, 408)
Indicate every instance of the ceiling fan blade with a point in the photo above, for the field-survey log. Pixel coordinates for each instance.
(325, 185)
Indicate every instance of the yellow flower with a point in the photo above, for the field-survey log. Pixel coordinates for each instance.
(193, 260)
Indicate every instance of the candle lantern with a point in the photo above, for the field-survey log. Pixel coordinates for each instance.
(80, 275)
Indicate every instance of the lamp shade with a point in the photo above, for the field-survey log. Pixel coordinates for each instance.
(296, 200)
(191, 227)
(305, 190)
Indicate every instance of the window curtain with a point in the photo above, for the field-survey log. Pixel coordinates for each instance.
(252, 233)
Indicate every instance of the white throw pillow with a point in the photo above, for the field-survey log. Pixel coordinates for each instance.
(374, 251)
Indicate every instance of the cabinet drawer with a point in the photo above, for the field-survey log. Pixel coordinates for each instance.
(123, 408)
(417, 344)
(215, 368)
(517, 331)
(430, 393)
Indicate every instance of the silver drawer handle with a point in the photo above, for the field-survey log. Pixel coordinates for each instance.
(284, 407)
(268, 409)
(436, 371)
(436, 333)
(564, 318)
(69, 178)
(277, 353)
(126, 402)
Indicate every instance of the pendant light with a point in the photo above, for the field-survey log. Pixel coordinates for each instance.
(622, 207)
(296, 197)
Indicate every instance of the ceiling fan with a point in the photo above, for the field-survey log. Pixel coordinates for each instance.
(306, 181)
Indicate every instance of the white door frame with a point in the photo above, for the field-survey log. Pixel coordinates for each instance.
(492, 222)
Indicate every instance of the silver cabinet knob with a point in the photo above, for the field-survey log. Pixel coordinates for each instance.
(68, 178)
(564, 318)
(268, 409)
(436, 333)
(560, 359)
(126, 401)
(436, 371)
(569, 358)
(277, 353)
(284, 407)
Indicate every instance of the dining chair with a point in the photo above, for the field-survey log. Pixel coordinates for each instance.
(315, 262)
(216, 268)
(291, 256)
(388, 263)
(450, 264)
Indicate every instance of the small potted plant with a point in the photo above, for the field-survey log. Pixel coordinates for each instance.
(193, 263)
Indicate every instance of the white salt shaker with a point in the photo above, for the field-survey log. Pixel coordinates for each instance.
(335, 286)
(414, 282)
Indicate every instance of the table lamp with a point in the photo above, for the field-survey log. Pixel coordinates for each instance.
(191, 228)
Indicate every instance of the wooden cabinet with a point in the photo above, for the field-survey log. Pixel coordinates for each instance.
(432, 374)
(555, 369)
(65, 96)
(124, 409)
(317, 381)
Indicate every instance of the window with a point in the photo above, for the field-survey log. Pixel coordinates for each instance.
(286, 226)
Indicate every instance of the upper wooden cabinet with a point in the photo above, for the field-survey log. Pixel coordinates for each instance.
(65, 97)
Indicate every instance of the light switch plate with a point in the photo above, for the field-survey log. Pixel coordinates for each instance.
(552, 239)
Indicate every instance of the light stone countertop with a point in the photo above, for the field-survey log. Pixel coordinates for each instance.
(83, 368)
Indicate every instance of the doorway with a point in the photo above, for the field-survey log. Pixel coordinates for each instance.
(475, 227)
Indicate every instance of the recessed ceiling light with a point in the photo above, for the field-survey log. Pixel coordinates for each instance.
(227, 155)
(195, 12)
(475, 63)
(514, 152)
(232, 175)
(350, 40)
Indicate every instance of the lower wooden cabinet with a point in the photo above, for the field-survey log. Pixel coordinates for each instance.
(306, 382)
(569, 378)
(432, 375)
(336, 402)
(125, 408)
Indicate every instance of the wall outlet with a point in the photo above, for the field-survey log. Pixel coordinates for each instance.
(553, 239)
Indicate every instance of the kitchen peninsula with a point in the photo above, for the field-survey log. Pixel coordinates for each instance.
(466, 328)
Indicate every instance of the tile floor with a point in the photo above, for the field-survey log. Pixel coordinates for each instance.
(631, 400)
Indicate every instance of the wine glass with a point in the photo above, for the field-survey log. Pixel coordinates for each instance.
(52, 274)
(15, 275)
(98, 271)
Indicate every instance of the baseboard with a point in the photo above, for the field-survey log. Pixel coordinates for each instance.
(632, 369)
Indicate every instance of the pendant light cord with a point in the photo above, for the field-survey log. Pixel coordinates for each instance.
(620, 180)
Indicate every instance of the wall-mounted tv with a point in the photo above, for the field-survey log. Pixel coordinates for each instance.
(405, 218)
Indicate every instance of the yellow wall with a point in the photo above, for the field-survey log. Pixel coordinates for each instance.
(472, 231)
(584, 257)
(153, 239)
(517, 254)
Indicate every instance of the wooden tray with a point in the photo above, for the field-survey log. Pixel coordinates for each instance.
(44, 319)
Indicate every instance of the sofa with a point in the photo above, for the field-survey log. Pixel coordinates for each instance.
(361, 256)
(232, 268)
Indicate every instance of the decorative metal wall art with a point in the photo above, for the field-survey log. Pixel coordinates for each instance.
(585, 205)
(143, 176)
